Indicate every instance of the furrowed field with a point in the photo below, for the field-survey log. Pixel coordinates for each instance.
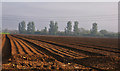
(35, 52)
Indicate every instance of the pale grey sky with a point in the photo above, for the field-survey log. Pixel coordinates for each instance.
(103, 13)
(59, 0)
(0, 17)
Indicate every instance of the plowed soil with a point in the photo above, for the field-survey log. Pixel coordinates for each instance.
(35, 52)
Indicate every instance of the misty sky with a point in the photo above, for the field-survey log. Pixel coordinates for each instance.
(103, 13)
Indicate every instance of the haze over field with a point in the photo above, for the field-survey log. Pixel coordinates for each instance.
(59, 36)
(104, 13)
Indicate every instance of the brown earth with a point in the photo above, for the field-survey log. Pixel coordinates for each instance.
(31, 52)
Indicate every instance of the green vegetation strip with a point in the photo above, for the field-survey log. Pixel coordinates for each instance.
(4, 33)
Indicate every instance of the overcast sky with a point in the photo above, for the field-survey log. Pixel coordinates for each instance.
(103, 13)
(60, 0)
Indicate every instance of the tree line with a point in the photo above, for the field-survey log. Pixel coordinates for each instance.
(53, 30)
